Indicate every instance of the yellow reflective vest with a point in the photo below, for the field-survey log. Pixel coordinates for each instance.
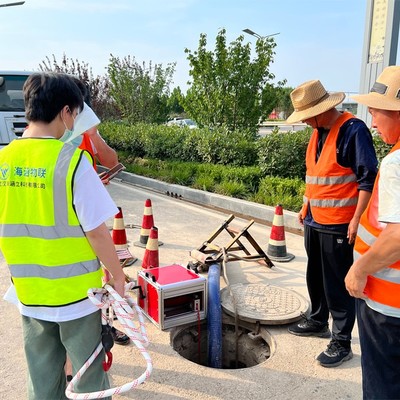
(50, 259)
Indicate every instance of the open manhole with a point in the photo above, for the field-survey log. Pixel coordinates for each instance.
(241, 347)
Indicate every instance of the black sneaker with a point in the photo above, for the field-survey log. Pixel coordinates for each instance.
(310, 328)
(119, 337)
(334, 354)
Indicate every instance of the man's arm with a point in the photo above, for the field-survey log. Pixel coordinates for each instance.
(102, 244)
(356, 150)
(363, 199)
(106, 155)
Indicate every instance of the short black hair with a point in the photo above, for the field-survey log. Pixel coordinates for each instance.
(84, 88)
(47, 93)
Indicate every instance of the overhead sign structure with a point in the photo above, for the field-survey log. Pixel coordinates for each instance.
(380, 44)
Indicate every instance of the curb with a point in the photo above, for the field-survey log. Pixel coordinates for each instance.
(259, 212)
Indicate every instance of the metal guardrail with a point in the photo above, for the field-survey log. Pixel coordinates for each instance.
(283, 125)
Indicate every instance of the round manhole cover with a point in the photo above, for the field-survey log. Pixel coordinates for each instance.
(266, 304)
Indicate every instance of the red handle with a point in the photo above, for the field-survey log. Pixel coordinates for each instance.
(108, 362)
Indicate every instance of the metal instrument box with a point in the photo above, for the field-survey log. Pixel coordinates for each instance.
(173, 295)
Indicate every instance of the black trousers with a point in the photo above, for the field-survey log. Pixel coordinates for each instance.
(329, 258)
(380, 353)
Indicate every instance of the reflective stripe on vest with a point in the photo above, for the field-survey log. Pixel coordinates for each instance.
(331, 190)
(50, 258)
(333, 203)
(383, 287)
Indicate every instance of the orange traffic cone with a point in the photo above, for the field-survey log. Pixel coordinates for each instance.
(277, 244)
(120, 240)
(147, 224)
(150, 258)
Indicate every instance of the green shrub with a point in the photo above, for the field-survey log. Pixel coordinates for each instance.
(204, 182)
(381, 148)
(284, 191)
(233, 189)
(163, 142)
(283, 154)
(249, 176)
(220, 146)
(214, 172)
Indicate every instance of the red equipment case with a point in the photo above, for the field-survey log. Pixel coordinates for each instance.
(173, 295)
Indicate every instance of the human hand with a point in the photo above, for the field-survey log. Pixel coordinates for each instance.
(104, 178)
(119, 286)
(352, 230)
(300, 218)
(355, 282)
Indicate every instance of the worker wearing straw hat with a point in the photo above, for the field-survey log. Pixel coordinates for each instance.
(341, 168)
(374, 278)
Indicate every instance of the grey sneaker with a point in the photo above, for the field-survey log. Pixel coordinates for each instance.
(310, 328)
(335, 354)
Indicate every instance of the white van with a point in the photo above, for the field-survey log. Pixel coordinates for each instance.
(12, 109)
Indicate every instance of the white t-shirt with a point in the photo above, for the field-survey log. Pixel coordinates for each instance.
(93, 206)
(389, 188)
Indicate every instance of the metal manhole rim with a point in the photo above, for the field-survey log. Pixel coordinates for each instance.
(264, 303)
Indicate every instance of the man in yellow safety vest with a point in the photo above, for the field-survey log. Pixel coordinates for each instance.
(52, 235)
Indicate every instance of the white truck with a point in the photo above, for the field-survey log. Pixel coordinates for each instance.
(12, 109)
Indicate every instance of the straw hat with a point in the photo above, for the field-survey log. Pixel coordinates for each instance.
(385, 93)
(311, 99)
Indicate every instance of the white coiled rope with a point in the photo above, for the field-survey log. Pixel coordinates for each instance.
(124, 310)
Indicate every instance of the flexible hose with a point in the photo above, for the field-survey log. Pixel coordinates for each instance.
(214, 320)
(231, 257)
(126, 310)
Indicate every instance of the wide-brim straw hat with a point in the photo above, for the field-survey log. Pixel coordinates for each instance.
(311, 99)
(385, 93)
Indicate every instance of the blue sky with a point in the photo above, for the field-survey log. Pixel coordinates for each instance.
(319, 39)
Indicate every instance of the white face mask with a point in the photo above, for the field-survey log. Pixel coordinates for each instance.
(85, 120)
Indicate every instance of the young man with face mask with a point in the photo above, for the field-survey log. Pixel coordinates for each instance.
(52, 235)
(341, 168)
(374, 278)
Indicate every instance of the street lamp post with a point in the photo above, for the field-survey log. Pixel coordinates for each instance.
(252, 33)
(17, 3)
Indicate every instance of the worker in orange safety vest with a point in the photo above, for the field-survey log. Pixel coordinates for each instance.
(374, 278)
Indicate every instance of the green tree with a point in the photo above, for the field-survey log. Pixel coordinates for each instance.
(140, 92)
(98, 85)
(227, 86)
(175, 101)
(284, 103)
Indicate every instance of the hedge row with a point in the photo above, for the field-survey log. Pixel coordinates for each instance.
(241, 182)
(277, 154)
(268, 170)
(163, 142)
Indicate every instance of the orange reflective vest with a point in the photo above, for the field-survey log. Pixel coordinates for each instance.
(383, 287)
(331, 190)
(88, 146)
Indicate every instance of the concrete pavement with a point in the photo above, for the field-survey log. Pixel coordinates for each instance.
(290, 372)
